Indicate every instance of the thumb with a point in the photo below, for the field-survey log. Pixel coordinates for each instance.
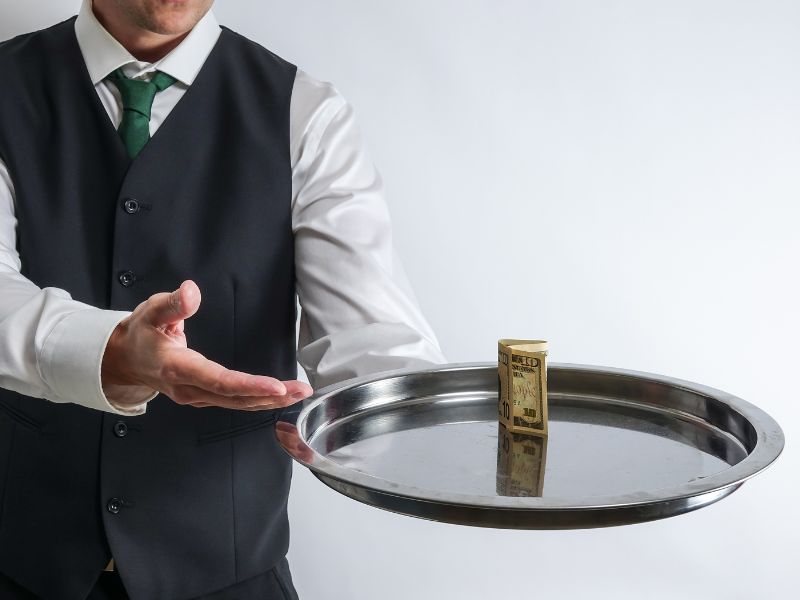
(167, 308)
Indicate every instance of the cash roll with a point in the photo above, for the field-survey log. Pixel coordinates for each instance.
(522, 385)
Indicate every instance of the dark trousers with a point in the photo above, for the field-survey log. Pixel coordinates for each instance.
(275, 584)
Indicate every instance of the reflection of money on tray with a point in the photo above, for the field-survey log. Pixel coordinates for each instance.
(522, 385)
(520, 463)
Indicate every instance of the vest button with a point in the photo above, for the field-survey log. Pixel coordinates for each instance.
(114, 505)
(120, 429)
(131, 206)
(127, 278)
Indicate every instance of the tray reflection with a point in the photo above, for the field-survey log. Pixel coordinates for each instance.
(456, 445)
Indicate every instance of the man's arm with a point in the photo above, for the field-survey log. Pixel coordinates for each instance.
(57, 348)
(359, 313)
(51, 346)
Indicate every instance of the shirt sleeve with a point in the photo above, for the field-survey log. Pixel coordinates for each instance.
(359, 314)
(52, 346)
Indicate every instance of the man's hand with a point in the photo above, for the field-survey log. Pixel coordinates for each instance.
(149, 349)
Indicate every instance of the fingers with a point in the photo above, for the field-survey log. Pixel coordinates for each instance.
(169, 308)
(199, 398)
(194, 396)
(298, 389)
(188, 377)
(187, 367)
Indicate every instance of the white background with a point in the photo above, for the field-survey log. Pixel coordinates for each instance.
(638, 161)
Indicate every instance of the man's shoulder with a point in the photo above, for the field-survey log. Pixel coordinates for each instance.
(320, 90)
(309, 94)
(32, 43)
(315, 101)
(25, 57)
(242, 43)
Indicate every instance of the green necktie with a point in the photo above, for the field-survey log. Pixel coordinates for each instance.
(137, 100)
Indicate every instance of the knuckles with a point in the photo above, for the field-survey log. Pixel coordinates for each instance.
(168, 373)
(153, 300)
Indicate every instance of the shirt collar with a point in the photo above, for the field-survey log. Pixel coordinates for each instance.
(103, 53)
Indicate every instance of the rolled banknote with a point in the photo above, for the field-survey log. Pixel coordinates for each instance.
(522, 385)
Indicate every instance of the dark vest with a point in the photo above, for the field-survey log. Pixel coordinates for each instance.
(200, 492)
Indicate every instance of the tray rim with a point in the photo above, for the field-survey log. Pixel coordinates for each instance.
(769, 445)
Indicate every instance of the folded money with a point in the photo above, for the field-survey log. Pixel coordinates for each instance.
(522, 385)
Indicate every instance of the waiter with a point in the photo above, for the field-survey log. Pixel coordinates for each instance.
(166, 183)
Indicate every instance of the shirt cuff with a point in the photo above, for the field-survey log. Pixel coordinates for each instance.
(72, 356)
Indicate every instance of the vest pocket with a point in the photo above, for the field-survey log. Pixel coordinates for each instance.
(242, 428)
(12, 411)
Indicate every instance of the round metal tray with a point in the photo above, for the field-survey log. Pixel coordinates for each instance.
(623, 446)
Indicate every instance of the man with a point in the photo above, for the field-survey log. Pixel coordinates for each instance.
(148, 157)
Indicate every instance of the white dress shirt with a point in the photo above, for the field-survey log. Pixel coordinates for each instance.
(358, 311)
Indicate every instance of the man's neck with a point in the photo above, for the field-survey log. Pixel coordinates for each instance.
(143, 45)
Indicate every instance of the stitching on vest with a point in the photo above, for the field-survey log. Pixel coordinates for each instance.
(7, 475)
(281, 584)
(233, 311)
(20, 417)
(233, 448)
(215, 436)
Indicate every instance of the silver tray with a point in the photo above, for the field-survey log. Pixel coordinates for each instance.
(623, 446)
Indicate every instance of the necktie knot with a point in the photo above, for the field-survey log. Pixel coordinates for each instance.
(137, 102)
